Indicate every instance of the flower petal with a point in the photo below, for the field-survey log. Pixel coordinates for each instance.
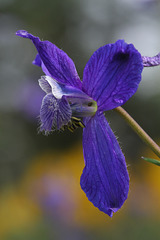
(105, 178)
(57, 62)
(37, 61)
(44, 84)
(112, 74)
(151, 61)
(54, 113)
(48, 84)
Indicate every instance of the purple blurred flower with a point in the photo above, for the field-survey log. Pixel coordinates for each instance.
(29, 93)
(55, 199)
(110, 78)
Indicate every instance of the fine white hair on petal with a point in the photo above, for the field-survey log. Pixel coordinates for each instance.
(49, 84)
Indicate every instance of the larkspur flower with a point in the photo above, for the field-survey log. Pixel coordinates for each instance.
(110, 78)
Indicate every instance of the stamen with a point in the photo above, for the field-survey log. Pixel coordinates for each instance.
(73, 124)
(77, 122)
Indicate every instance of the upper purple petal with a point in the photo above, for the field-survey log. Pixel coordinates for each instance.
(56, 61)
(112, 74)
(105, 178)
(37, 61)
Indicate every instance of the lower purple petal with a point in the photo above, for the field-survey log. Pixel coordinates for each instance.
(105, 178)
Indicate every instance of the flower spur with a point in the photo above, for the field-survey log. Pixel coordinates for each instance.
(110, 78)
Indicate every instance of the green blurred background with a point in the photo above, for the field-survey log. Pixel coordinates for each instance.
(40, 195)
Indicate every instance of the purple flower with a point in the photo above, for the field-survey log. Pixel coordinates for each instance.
(151, 61)
(110, 78)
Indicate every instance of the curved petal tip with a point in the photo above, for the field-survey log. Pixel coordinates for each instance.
(23, 33)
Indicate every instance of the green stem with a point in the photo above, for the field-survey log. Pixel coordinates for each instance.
(141, 133)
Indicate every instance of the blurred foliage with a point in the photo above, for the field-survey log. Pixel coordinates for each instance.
(48, 199)
(33, 14)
